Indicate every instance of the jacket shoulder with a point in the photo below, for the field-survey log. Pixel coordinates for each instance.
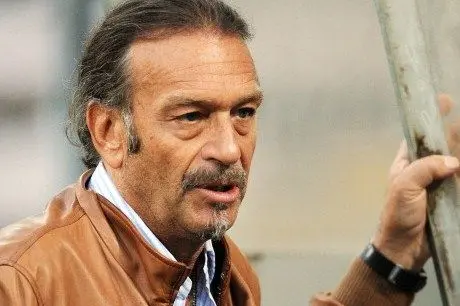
(18, 238)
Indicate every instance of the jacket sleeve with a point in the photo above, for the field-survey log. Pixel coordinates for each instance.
(363, 287)
(15, 289)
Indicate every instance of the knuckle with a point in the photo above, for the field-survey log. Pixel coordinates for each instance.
(430, 163)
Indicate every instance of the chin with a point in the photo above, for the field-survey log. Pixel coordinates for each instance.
(217, 226)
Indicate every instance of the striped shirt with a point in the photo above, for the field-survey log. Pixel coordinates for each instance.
(102, 184)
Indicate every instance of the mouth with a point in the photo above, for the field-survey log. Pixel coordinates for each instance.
(219, 193)
(219, 188)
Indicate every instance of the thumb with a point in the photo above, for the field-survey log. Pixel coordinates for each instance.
(424, 171)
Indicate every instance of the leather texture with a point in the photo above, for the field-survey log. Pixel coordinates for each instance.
(83, 251)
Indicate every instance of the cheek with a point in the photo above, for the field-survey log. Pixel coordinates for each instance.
(157, 157)
(248, 146)
(174, 158)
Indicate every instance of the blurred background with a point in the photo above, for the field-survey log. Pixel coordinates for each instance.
(328, 131)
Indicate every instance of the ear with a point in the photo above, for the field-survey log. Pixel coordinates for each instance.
(108, 133)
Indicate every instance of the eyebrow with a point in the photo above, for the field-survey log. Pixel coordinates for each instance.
(179, 101)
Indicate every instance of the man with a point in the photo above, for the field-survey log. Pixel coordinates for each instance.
(165, 111)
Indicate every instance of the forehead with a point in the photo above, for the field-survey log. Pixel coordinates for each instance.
(196, 61)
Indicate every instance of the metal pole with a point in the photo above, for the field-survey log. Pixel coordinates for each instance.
(423, 130)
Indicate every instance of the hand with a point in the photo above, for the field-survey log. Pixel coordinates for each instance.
(401, 232)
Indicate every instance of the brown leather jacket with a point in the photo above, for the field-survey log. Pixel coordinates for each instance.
(83, 251)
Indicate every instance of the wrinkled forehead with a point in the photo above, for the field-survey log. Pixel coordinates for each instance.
(190, 55)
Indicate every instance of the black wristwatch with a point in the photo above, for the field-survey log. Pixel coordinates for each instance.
(404, 280)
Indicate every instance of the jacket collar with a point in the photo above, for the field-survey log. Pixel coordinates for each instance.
(155, 276)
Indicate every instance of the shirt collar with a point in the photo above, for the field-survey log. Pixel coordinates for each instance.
(102, 184)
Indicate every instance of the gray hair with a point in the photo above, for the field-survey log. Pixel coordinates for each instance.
(103, 76)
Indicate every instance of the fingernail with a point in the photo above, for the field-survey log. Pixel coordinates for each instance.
(451, 162)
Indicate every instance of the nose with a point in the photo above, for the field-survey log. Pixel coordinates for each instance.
(222, 145)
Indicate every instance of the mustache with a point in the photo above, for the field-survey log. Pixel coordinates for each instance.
(233, 175)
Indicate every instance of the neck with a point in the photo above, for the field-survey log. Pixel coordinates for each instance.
(184, 250)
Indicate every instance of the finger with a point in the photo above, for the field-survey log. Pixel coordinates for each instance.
(445, 104)
(400, 162)
(424, 171)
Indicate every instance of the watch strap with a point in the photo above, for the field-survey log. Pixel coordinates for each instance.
(403, 279)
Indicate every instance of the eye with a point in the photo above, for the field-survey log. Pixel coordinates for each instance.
(245, 112)
(191, 117)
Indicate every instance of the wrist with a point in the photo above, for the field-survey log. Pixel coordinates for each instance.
(403, 279)
(405, 255)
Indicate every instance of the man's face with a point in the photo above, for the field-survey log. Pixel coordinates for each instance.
(194, 102)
